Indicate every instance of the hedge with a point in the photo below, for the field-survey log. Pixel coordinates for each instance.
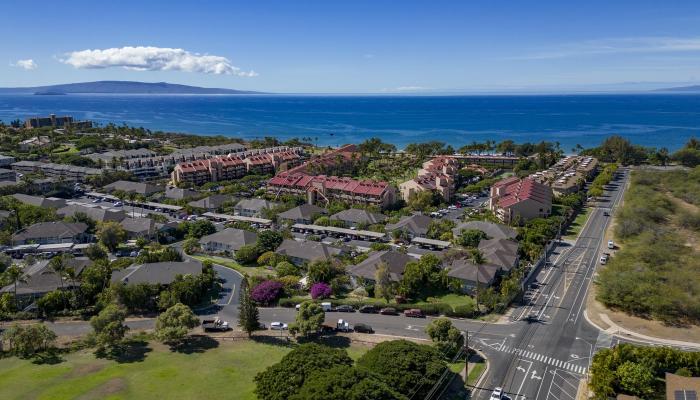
(427, 309)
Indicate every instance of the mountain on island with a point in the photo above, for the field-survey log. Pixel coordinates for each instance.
(693, 88)
(121, 87)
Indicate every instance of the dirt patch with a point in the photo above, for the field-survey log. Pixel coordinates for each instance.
(85, 369)
(111, 387)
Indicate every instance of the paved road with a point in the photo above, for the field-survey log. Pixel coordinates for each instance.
(530, 360)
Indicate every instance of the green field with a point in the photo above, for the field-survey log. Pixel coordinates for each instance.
(223, 372)
(229, 263)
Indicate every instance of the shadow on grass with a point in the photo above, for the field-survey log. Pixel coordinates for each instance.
(195, 344)
(126, 352)
(283, 341)
(337, 342)
(48, 357)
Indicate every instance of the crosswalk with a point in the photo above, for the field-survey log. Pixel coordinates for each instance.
(544, 359)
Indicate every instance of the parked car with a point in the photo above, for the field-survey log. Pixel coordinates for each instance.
(278, 326)
(97, 200)
(604, 258)
(606, 214)
(363, 328)
(215, 325)
(497, 394)
(342, 326)
(611, 244)
(368, 309)
(388, 311)
(344, 308)
(414, 313)
(118, 204)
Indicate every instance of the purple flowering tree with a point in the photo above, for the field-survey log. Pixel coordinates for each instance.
(266, 292)
(320, 290)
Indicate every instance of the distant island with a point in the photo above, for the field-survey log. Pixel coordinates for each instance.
(693, 88)
(121, 87)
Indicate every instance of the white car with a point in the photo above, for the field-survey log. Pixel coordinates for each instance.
(118, 204)
(611, 244)
(278, 326)
(497, 394)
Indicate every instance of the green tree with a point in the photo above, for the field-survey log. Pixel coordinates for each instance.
(15, 274)
(636, 379)
(111, 234)
(173, 324)
(247, 254)
(190, 245)
(5, 262)
(248, 315)
(470, 238)
(409, 368)
(268, 240)
(384, 286)
(309, 318)
(200, 227)
(53, 302)
(345, 383)
(26, 340)
(284, 379)
(95, 252)
(285, 268)
(108, 325)
(441, 330)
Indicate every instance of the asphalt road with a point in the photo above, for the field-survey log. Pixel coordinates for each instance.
(530, 360)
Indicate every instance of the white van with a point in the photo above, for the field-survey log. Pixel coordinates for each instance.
(326, 306)
(611, 244)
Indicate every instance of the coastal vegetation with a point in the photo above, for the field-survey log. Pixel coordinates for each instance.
(656, 272)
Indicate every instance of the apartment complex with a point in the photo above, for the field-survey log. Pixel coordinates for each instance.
(437, 174)
(569, 174)
(64, 171)
(52, 121)
(525, 199)
(232, 166)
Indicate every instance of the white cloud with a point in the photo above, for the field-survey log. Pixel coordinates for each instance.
(617, 46)
(28, 64)
(147, 58)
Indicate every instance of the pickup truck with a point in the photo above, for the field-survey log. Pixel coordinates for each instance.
(604, 258)
(215, 325)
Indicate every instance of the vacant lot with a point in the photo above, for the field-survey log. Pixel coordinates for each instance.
(223, 372)
(656, 273)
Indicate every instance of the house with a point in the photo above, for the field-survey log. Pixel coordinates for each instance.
(139, 228)
(180, 194)
(160, 273)
(7, 175)
(41, 279)
(395, 261)
(501, 257)
(52, 232)
(144, 189)
(682, 387)
(493, 231)
(65, 172)
(43, 202)
(212, 203)
(253, 207)
(228, 240)
(354, 217)
(95, 213)
(306, 252)
(37, 141)
(303, 214)
(415, 225)
(6, 161)
(524, 199)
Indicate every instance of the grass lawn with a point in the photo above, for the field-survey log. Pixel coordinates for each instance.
(578, 223)
(229, 263)
(475, 371)
(452, 299)
(224, 372)
(65, 149)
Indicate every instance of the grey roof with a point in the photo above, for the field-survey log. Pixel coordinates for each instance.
(136, 187)
(304, 211)
(359, 216)
(42, 279)
(464, 269)
(307, 250)
(52, 202)
(500, 252)
(254, 204)
(162, 273)
(493, 231)
(396, 262)
(142, 226)
(8, 183)
(417, 224)
(179, 194)
(125, 154)
(62, 230)
(97, 214)
(236, 238)
(212, 202)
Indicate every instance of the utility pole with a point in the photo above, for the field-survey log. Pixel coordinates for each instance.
(465, 334)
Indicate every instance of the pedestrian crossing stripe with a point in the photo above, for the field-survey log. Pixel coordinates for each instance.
(547, 360)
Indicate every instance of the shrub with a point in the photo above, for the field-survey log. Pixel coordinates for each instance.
(267, 292)
(320, 290)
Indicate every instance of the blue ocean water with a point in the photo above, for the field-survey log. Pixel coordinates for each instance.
(659, 120)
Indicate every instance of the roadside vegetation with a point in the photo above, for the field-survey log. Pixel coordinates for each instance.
(656, 273)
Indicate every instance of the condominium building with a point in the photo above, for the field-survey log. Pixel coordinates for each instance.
(52, 121)
(523, 199)
(65, 171)
(437, 174)
(323, 189)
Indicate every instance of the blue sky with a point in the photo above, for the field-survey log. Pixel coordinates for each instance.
(355, 46)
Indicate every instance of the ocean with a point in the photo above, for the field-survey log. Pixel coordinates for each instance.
(658, 120)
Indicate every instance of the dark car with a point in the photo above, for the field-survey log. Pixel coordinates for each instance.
(388, 311)
(344, 308)
(414, 313)
(363, 328)
(368, 309)
(606, 214)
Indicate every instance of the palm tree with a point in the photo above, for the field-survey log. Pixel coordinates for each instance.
(477, 258)
(58, 265)
(16, 275)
